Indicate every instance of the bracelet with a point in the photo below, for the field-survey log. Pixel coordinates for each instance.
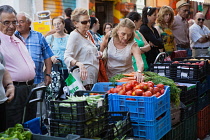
(8, 84)
(48, 75)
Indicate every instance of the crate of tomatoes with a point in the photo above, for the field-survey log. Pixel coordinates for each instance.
(145, 101)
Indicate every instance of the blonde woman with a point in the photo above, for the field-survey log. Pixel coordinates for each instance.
(163, 25)
(80, 51)
(121, 48)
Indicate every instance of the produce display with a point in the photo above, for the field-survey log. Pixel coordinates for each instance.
(156, 79)
(16, 133)
(134, 88)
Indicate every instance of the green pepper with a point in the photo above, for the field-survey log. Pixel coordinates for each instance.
(27, 135)
(9, 131)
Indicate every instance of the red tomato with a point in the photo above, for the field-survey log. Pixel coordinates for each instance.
(141, 85)
(108, 92)
(158, 94)
(112, 90)
(151, 89)
(122, 92)
(162, 91)
(161, 86)
(150, 84)
(129, 93)
(139, 92)
(128, 87)
(145, 87)
(133, 83)
(156, 89)
(147, 93)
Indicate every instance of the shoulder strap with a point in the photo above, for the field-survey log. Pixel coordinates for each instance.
(91, 37)
(51, 42)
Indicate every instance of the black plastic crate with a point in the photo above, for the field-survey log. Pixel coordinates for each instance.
(87, 129)
(119, 126)
(176, 133)
(188, 110)
(175, 115)
(203, 101)
(79, 111)
(190, 128)
(188, 71)
(187, 94)
(162, 69)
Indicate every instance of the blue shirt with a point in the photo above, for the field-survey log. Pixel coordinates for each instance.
(39, 51)
(58, 46)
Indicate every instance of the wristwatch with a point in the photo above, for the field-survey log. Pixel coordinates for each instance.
(48, 75)
(139, 71)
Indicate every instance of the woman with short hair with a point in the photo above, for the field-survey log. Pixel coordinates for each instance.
(81, 51)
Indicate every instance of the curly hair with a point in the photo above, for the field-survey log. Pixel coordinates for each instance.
(163, 11)
(77, 13)
(125, 23)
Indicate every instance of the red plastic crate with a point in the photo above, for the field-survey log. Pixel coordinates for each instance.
(203, 124)
(142, 108)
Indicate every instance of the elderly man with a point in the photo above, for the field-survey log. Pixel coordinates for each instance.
(19, 64)
(37, 47)
(180, 27)
(199, 37)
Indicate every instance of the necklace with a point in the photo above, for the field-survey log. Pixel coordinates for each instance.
(85, 36)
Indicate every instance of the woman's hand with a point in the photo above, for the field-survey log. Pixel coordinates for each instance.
(54, 59)
(139, 77)
(99, 55)
(83, 71)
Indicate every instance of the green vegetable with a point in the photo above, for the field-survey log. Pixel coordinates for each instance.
(16, 133)
(116, 77)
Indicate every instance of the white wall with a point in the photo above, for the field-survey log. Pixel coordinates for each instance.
(82, 4)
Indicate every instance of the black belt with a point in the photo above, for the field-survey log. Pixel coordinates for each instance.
(200, 47)
(29, 83)
(182, 46)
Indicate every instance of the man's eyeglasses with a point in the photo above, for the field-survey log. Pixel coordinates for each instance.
(201, 19)
(85, 22)
(8, 23)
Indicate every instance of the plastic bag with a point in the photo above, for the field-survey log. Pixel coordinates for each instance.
(74, 83)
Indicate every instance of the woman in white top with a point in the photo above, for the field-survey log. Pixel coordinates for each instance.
(121, 48)
(80, 51)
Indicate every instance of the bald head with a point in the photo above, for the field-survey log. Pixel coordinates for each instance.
(199, 18)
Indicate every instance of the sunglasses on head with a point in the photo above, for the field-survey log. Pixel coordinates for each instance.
(85, 22)
(201, 19)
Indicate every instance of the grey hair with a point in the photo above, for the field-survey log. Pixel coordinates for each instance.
(7, 9)
(28, 18)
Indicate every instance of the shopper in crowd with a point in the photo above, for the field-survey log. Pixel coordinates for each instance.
(80, 51)
(139, 38)
(94, 27)
(164, 22)
(199, 37)
(7, 90)
(180, 27)
(57, 42)
(120, 49)
(69, 26)
(106, 28)
(151, 34)
(37, 47)
(20, 66)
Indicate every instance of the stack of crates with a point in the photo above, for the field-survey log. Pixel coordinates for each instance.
(77, 117)
(150, 116)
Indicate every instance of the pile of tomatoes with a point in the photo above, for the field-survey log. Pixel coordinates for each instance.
(134, 88)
